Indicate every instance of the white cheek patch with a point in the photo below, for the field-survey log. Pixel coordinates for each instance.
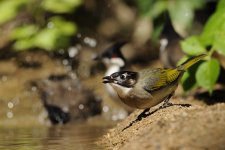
(120, 89)
(118, 61)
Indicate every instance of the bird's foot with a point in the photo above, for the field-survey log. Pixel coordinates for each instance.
(164, 105)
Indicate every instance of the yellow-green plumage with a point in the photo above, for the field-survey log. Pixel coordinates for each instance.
(160, 77)
(150, 86)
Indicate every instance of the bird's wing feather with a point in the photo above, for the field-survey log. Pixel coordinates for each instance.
(159, 78)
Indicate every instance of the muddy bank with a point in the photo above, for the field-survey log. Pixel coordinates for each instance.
(176, 127)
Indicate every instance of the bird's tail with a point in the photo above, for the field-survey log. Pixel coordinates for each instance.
(191, 61)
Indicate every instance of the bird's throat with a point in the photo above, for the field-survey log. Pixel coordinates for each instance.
(121, 90)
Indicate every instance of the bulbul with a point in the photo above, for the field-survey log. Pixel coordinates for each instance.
(114, 61)
(148, 87)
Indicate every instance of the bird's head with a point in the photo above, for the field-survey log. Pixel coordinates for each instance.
(112, 55)
(124, 78)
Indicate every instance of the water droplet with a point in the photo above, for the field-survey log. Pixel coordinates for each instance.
(73, 75)
(65, 62)
(81, 106)
(65, 109)
(33, 88)
(10, 105)
(105, 108)
(90, 41)
(122, 115)
(73, 51)
(9, 114)
(4, 78)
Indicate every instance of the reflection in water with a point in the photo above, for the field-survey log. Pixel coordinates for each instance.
(71, 136)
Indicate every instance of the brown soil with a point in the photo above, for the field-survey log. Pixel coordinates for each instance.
(176, 127)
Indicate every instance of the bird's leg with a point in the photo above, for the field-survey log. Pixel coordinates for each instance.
(143, 114)
(166, 101)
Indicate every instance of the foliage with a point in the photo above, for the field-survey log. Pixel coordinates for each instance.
(213, 36)
(9, 9)
(46, 27)
(181, 12)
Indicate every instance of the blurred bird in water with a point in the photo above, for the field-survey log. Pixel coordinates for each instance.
(148, 87)
(170, 44)
(114, 61)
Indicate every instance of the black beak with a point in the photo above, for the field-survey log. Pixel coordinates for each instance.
(107, 79)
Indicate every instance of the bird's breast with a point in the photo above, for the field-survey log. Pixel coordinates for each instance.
(142, 99)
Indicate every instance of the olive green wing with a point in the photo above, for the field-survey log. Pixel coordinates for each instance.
(159, 78)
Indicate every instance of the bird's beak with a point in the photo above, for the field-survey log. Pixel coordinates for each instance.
(108, 79)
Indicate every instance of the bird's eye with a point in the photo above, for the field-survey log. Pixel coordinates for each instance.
(122, 76)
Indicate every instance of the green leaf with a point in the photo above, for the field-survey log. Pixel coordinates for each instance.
(182, 60)
(182, 14)
(219, 43)
(213, 27)
(158, 8)
(23, 44)
(207, 74)
(144, 6)
(24, 31)
(192, 46)
(214, 31)
(51, 39)
(61, 6)
(9, 9)
(46, 39)
(65, 27)
(220, 5)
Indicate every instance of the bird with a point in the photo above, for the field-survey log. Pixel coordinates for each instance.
(148, 87)
(114, 61)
